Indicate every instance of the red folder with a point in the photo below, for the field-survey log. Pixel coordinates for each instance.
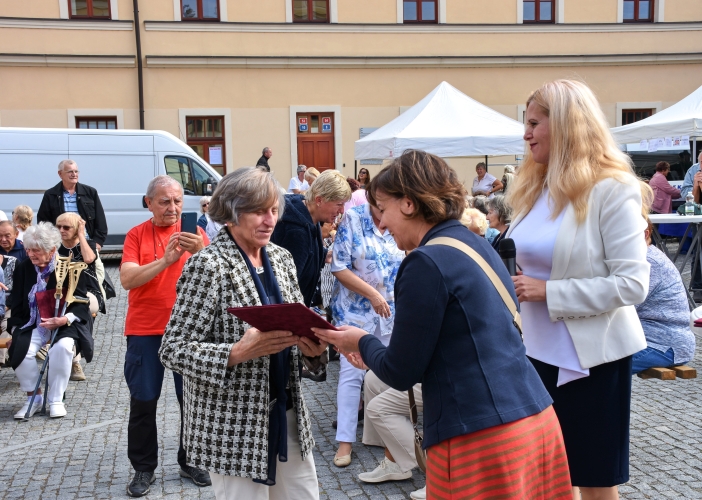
(294, 318)
(47, 303)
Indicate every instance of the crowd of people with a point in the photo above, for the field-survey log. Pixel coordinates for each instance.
(524, 381)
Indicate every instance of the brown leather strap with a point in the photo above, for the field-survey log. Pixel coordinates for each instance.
(413, 407)
(496, 281)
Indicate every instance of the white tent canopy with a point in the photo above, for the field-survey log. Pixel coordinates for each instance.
(446, 123)
(683, 118)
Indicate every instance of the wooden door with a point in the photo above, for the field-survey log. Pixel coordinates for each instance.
(315, 140)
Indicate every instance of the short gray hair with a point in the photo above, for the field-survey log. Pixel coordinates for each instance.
(63, 163)
(8, 222)
(243, 191)
(44, 236)
(509, 169)
(161, 181)
(480, 202)
(301, 168)
(265, 150)
(501, 207)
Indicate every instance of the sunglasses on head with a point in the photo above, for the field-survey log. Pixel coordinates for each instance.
(65, 228)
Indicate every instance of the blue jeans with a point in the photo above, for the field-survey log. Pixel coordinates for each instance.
(650, 357)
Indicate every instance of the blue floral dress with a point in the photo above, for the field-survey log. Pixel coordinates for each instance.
(372, 256)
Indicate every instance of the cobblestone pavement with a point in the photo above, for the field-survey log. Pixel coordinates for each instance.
(84, 454)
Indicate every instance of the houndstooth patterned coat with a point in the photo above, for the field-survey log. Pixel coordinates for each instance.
(225, 410)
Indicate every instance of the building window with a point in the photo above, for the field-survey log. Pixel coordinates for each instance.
(96, 122)
(634, 115)
(310, 11)
(420, 11)
(90, 9)
(206, 137)
(538, 11)
(638, 11)
(199, 10)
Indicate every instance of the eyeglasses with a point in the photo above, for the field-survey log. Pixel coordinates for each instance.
(205, 205)
(65, 228)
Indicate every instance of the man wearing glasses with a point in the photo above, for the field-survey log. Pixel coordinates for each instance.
(70, 196)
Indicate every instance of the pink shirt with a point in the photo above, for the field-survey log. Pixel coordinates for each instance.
(663, 194)
(357, 198)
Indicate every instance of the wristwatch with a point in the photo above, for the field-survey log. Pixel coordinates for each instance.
(68, 321)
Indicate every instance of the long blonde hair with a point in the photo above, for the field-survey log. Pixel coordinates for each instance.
(582, 151)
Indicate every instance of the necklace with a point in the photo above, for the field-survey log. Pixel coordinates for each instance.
(160, 241)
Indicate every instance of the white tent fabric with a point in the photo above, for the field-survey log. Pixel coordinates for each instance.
(683, 118)
(446, 123)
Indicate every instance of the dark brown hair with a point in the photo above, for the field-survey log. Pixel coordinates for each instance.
(353, 184)
(662, 166)
(368, 176)
(427, 180)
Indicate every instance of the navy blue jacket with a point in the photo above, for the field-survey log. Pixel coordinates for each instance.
(299, 235)
(17, 251)
(454, 334)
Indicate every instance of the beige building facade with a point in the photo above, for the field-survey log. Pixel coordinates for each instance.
(303, 78)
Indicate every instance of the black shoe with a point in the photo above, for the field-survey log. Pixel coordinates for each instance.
(333, 354)
(697, 297)
(334, 424)
(200, 477)
(316, 378)
(141, 483)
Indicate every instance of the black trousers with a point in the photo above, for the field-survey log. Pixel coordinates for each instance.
(144, 373)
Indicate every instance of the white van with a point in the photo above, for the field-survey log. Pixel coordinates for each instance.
(118, 163)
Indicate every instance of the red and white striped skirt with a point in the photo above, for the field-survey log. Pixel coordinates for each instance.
(524, 460)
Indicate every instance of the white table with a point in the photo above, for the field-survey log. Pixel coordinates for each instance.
(695, 249)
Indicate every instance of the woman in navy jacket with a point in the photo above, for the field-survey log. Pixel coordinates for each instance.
(453, 333)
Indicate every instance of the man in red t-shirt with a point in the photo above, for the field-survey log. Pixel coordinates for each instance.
(152, 261)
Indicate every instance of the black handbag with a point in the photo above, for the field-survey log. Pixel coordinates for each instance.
(108, 287)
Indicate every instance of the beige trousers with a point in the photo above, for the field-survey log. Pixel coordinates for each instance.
(295, 479)
(387, 420)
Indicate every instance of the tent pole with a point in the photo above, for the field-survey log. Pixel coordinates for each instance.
(486, 163)
(694, 149)
(355, 169)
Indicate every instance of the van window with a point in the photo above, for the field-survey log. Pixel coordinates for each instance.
(178, 168)
(200, 176)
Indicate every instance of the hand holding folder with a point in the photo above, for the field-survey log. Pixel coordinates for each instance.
(295, 318)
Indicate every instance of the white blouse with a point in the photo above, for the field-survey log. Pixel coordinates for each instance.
(546, 341)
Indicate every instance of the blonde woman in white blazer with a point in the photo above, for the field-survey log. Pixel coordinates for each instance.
(577, 230)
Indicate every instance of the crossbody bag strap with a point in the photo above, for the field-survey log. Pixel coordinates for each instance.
(496, 281)
(413, 407)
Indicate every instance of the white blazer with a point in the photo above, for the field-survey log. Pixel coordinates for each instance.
(600, 272)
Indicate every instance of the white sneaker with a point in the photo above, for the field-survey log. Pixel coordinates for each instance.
(386, 471)
(419, 494)
(57, 410)
(35, 407)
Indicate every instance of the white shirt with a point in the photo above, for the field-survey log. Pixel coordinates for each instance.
(296, 184)
(546, 341)
(484, 185)
(212, 228)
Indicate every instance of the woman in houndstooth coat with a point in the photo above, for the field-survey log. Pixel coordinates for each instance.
(245, 419)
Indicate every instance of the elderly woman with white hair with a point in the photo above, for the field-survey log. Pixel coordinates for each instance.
(30, 331)
(246, 420)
